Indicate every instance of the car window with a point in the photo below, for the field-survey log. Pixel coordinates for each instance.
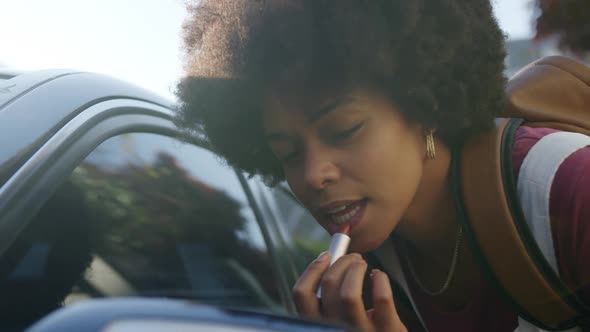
(303, 233)
(142, 215)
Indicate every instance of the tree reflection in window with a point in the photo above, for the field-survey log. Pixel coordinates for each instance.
(152, 227)
(170, 234)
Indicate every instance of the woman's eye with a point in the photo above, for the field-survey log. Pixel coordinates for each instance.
(288, 158)
(346, 134)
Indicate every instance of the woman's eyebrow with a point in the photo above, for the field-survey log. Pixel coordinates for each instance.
(316, 115)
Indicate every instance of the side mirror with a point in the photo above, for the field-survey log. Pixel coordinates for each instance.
(151, 315)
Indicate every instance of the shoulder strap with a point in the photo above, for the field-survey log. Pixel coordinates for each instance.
(486, 197)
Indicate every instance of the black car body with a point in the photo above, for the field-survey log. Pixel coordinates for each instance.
(102, 196)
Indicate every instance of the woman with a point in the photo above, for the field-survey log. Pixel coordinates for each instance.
(358, 105)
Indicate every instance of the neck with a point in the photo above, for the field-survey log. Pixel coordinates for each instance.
(429, 230)
(430, 225)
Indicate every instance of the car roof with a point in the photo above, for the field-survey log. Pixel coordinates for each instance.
(14, 83)
(35, 105)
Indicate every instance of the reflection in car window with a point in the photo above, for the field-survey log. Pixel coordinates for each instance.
(143, 215)
(308, 238)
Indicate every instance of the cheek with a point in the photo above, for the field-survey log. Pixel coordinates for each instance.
(387, 153)
(391, 164)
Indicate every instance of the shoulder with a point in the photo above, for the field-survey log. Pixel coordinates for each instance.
(524, 139)
(569, 206)
(571, 179)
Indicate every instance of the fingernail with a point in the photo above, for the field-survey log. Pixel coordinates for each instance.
(373, 272)
(323, 256)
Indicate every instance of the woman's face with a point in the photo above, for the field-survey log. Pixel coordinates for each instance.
(349, 158)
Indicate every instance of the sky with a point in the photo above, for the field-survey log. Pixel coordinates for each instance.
(134, 40)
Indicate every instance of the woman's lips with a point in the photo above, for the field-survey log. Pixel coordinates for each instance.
(344, 229)
(352, 216)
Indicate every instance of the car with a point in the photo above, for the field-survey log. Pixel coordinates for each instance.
(105, 205)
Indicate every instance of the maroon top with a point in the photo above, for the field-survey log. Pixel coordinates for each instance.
(570, 219)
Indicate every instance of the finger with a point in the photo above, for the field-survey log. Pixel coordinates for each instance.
(385, 317)
(331, 281)
(304, 291)
(351, 296)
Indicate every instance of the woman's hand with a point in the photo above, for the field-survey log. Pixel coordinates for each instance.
(342, 301)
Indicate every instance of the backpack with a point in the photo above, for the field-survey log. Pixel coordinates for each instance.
(552, 92)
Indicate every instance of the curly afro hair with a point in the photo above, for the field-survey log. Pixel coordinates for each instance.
(441, 61)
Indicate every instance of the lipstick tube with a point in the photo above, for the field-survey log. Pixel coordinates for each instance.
(338, 248)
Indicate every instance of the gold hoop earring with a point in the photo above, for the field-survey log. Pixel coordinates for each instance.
(430, 148)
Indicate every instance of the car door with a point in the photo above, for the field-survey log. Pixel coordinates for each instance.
(114, 203)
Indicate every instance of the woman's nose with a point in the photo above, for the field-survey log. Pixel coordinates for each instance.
(320, 169)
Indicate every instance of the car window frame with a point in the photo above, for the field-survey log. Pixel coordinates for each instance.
(23, 194)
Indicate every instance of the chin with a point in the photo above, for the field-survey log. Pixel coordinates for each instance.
(364, 246)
